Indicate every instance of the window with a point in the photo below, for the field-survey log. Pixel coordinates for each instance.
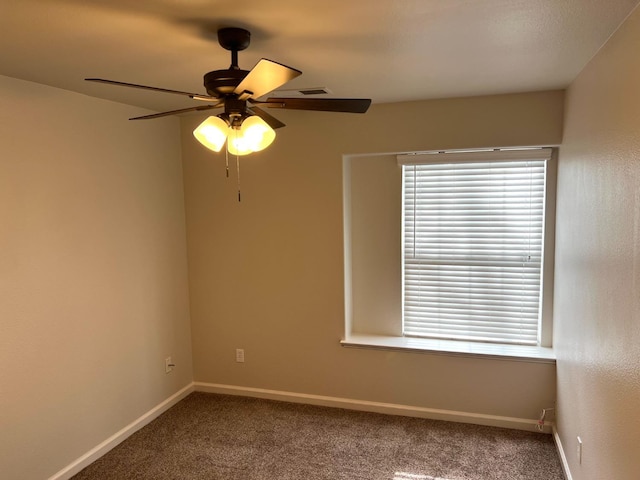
(473, 229)
(374, 239)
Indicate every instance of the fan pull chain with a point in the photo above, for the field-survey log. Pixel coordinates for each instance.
(226, 158)
(238, 168)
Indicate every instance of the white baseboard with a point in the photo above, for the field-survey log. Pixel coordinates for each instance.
(561, 453)
(378, 407)
(321, 400)
(117, 438)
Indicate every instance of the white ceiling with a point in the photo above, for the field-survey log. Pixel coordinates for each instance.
(386, 50)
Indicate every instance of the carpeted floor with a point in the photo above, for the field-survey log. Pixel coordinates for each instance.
(213, 437)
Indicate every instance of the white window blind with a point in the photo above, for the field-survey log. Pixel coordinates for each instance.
(472, 245)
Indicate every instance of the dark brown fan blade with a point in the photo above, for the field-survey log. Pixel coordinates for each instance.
(266, 76)
(347, 105)
(144, 87)
(272, 121)
(176, 112)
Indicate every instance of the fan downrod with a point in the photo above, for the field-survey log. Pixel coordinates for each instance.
(222, 83)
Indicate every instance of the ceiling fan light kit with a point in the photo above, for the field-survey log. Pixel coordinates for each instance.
(253, 135)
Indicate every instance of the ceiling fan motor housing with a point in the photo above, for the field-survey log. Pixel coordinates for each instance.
(220, 83)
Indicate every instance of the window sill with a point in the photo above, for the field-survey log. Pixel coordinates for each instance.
(523, 353)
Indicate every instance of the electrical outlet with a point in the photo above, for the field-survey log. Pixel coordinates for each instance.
(168, 365)
(239, 355)
(579, 450)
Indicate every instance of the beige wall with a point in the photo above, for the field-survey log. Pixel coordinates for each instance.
(93, 278)
(267, 274)
(597, 295)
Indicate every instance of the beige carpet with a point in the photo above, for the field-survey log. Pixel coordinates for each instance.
(212, 437)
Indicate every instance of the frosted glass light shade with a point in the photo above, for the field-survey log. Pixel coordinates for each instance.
(238, 144)
(212, 133)
(256, 133)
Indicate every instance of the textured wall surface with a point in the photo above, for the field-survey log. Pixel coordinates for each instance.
(93, 274)
(597, 295)
(267, 274)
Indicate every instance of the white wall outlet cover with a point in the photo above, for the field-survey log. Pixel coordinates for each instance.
(239, 355)
(168, 365)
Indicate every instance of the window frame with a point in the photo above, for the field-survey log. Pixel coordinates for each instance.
(361, 329)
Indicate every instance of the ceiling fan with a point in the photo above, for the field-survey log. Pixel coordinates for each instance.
(237, 91)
